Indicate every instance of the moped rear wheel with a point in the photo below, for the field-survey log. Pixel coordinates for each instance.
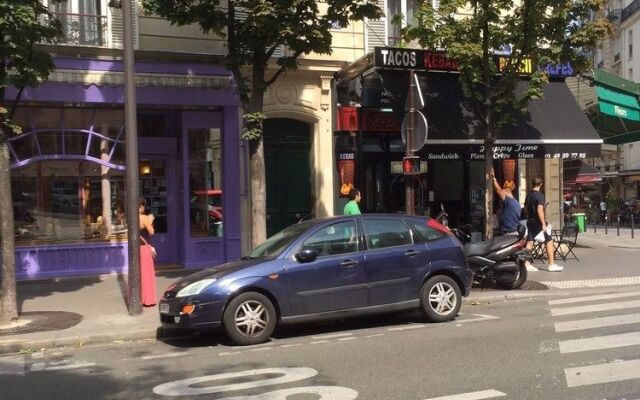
(513, 280)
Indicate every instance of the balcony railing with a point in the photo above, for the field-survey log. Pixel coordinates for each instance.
(83, 29)
(629, 10)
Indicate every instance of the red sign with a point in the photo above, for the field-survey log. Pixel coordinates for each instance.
(378, 121)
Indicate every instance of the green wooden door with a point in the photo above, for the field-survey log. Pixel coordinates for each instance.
(287, 144)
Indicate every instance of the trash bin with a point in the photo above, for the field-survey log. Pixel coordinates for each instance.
(580, 219)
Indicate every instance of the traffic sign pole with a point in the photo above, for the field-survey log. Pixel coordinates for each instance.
(408, 186)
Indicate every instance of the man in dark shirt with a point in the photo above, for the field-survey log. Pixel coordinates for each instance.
(536, 222)
(510, 215)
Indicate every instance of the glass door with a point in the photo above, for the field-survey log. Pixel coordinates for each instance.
(153, 187)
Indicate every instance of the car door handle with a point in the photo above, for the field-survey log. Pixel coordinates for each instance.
(348, 263)
(410, 253)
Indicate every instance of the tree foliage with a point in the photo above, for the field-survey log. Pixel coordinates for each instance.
(254, 30)
(471, 32)
(23, 25)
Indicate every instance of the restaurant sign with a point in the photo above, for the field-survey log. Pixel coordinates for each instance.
(475, 152)
(428, 60)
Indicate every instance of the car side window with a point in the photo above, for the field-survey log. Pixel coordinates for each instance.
(427, 233)
(333, 239)
(381, 233)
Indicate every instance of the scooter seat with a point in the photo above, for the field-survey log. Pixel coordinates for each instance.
(487, 246)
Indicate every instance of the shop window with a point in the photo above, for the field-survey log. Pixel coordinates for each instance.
(153, 187)
(68, 202)
(205, 182)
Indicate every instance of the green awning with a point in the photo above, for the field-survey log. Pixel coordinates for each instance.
(618, 103)
(618, 119)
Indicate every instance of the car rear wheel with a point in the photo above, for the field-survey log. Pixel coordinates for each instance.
(440, 299)
(250, 318)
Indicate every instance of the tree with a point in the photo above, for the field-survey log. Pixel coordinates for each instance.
(254, 30)
(541, 31)
(23, 25)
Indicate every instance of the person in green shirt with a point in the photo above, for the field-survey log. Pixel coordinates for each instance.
(351, 208)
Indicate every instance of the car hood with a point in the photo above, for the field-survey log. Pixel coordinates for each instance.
(215, 272)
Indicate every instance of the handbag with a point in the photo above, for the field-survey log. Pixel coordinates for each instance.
(153, 249)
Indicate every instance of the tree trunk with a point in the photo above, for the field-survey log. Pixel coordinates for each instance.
(8, 298)
(257, 172)
(488, 191)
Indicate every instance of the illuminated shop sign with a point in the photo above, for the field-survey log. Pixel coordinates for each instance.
(427, 60)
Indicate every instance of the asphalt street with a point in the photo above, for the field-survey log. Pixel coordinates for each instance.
(581, 346)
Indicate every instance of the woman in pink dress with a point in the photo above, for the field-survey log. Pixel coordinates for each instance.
(147, 252)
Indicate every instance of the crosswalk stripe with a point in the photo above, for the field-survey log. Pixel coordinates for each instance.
(602, 373)
(483, 394)
(619, 305)
(593, 298)
(616, 320)
(600, 342)
(12, 365)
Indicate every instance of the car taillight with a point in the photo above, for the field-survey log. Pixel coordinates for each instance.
(432, 223)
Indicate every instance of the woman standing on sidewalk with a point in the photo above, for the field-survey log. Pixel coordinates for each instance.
(147, 253)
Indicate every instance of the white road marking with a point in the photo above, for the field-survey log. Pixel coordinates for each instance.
(37, 355)
(347, 338)
(263, 349)
(619, 305)
(229, 353)
(404, 328)
(331, 336)
(602, 373)
(483, 394)
(159, 356)
(291, 345)
(600, 342)
(593, 298)
(320, 341)
(76, 365)
(615, 320)
(375, 335)
(481, 317)
(594, 283)
(12, 365)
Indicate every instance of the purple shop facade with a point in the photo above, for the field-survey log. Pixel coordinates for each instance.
(192, 99)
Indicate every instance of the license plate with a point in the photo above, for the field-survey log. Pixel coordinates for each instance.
(164, 308)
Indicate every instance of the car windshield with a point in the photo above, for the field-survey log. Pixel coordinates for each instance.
(273, 246)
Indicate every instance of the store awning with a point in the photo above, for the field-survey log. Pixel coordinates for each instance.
(618, 118)
(555, 126)
(576, 172)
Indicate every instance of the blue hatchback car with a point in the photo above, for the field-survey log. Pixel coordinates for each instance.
(326, 268)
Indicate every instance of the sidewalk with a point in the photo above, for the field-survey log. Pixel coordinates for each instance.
(80, 311)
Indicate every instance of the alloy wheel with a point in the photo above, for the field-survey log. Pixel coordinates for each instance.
(442, 298)
(251, 318)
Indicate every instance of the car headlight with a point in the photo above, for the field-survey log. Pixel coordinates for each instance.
(195, 287)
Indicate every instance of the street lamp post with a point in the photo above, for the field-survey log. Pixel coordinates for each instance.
(131, 144)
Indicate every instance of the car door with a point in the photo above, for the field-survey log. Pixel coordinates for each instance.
(336, 280)
(395, 263)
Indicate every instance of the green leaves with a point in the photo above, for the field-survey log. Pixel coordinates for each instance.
(544, 31)
(254, 29)
(23, 25)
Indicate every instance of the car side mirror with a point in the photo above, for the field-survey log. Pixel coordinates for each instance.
(307, 255)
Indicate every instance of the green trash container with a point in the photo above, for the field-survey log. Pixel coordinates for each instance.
(580, 219)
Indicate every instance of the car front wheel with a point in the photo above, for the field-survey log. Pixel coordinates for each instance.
(250, 318)
(440, 299)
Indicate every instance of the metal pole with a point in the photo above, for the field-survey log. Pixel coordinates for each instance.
(408, 185)
(632, 235)
(606, 224)
(618, 225)
(131, 143)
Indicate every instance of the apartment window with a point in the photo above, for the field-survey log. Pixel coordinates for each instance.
(616, 49)
(405, 8)
(83, 21)
(630, 45)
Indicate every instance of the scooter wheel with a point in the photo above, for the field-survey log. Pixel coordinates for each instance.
(511, 280)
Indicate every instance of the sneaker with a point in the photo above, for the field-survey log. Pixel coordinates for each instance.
(530, 267)
(554, 268)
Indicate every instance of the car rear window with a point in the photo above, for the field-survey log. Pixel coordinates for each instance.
(426, 233)
(381, 233)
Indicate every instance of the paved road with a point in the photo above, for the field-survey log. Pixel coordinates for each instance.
(582, 346)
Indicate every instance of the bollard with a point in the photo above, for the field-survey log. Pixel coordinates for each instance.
(595, 223)
(631, 225)
(618, 224)
(606, 224)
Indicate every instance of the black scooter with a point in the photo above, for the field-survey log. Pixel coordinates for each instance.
(501, 259)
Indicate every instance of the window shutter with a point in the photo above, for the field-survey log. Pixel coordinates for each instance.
(115, 19)
(375, 31)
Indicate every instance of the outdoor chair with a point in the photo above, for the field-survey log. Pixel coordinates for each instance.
(566, 242)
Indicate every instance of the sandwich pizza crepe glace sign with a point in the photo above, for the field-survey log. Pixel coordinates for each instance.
(427, 60)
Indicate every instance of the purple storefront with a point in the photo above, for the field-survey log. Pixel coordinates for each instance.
(68, 167)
